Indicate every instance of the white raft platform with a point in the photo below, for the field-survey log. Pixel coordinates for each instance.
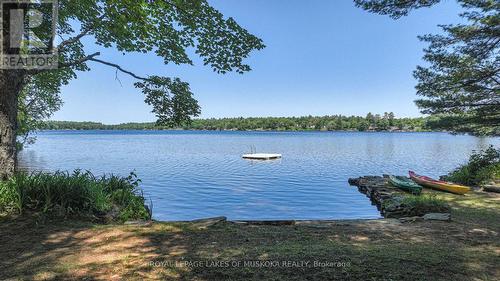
(261, 156)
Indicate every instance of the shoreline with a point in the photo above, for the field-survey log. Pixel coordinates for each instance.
(249, 131)
(269, 131)
(259, 222)
(376, 188)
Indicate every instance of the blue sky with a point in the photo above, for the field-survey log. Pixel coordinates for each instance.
(322, 58)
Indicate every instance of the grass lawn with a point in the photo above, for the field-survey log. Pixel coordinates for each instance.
(468, 248)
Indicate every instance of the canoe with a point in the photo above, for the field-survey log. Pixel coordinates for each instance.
(439, 185)
(405, 184)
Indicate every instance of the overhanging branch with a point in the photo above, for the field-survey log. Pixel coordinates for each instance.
(63, 64)
(120, 69)
(79, 61)
(83, 33)
(93, 58)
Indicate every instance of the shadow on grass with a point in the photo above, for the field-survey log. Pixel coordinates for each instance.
(374, 250)
(478, 208)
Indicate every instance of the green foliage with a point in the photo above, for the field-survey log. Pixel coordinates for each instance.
(311, 123)
(460, 175)
(461, 83)
(70, 125)
(489, 174)
(483, 166)
(79, 194)
(170, 110)
(307, 123)
(394, 8)
(464, 77)
(461, 123)
(36, 104)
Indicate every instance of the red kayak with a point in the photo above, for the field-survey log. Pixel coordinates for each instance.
(440, 185)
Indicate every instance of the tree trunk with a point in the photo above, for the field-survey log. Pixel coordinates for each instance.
(11, 82)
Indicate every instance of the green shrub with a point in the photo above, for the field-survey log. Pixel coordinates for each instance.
(460, 175)
(483, 166)
(488, 174)
(79, 194)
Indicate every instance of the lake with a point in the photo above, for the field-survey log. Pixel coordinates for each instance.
(194, 174)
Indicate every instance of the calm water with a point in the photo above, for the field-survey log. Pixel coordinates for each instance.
(191, 175)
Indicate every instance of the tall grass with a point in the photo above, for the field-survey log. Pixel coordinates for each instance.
(426, 203)
(412, 205)
(79, 194)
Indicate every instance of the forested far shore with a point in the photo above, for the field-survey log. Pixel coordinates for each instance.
(372, 122)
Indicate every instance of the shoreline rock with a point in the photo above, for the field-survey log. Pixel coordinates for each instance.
(390, 200)
(207, 222)
(437, 216)
(385, 197)
(492, 188)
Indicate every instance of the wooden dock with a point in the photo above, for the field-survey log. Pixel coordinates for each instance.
(262, 156)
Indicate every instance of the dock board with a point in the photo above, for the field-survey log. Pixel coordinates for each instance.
(261, 156)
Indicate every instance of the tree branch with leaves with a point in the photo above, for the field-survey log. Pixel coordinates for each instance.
(168, 29)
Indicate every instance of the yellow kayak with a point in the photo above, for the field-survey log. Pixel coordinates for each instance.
(440, 185)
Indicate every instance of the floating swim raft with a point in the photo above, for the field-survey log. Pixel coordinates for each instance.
(262, 156)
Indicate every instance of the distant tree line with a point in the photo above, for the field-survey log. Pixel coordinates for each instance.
(372, 122)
